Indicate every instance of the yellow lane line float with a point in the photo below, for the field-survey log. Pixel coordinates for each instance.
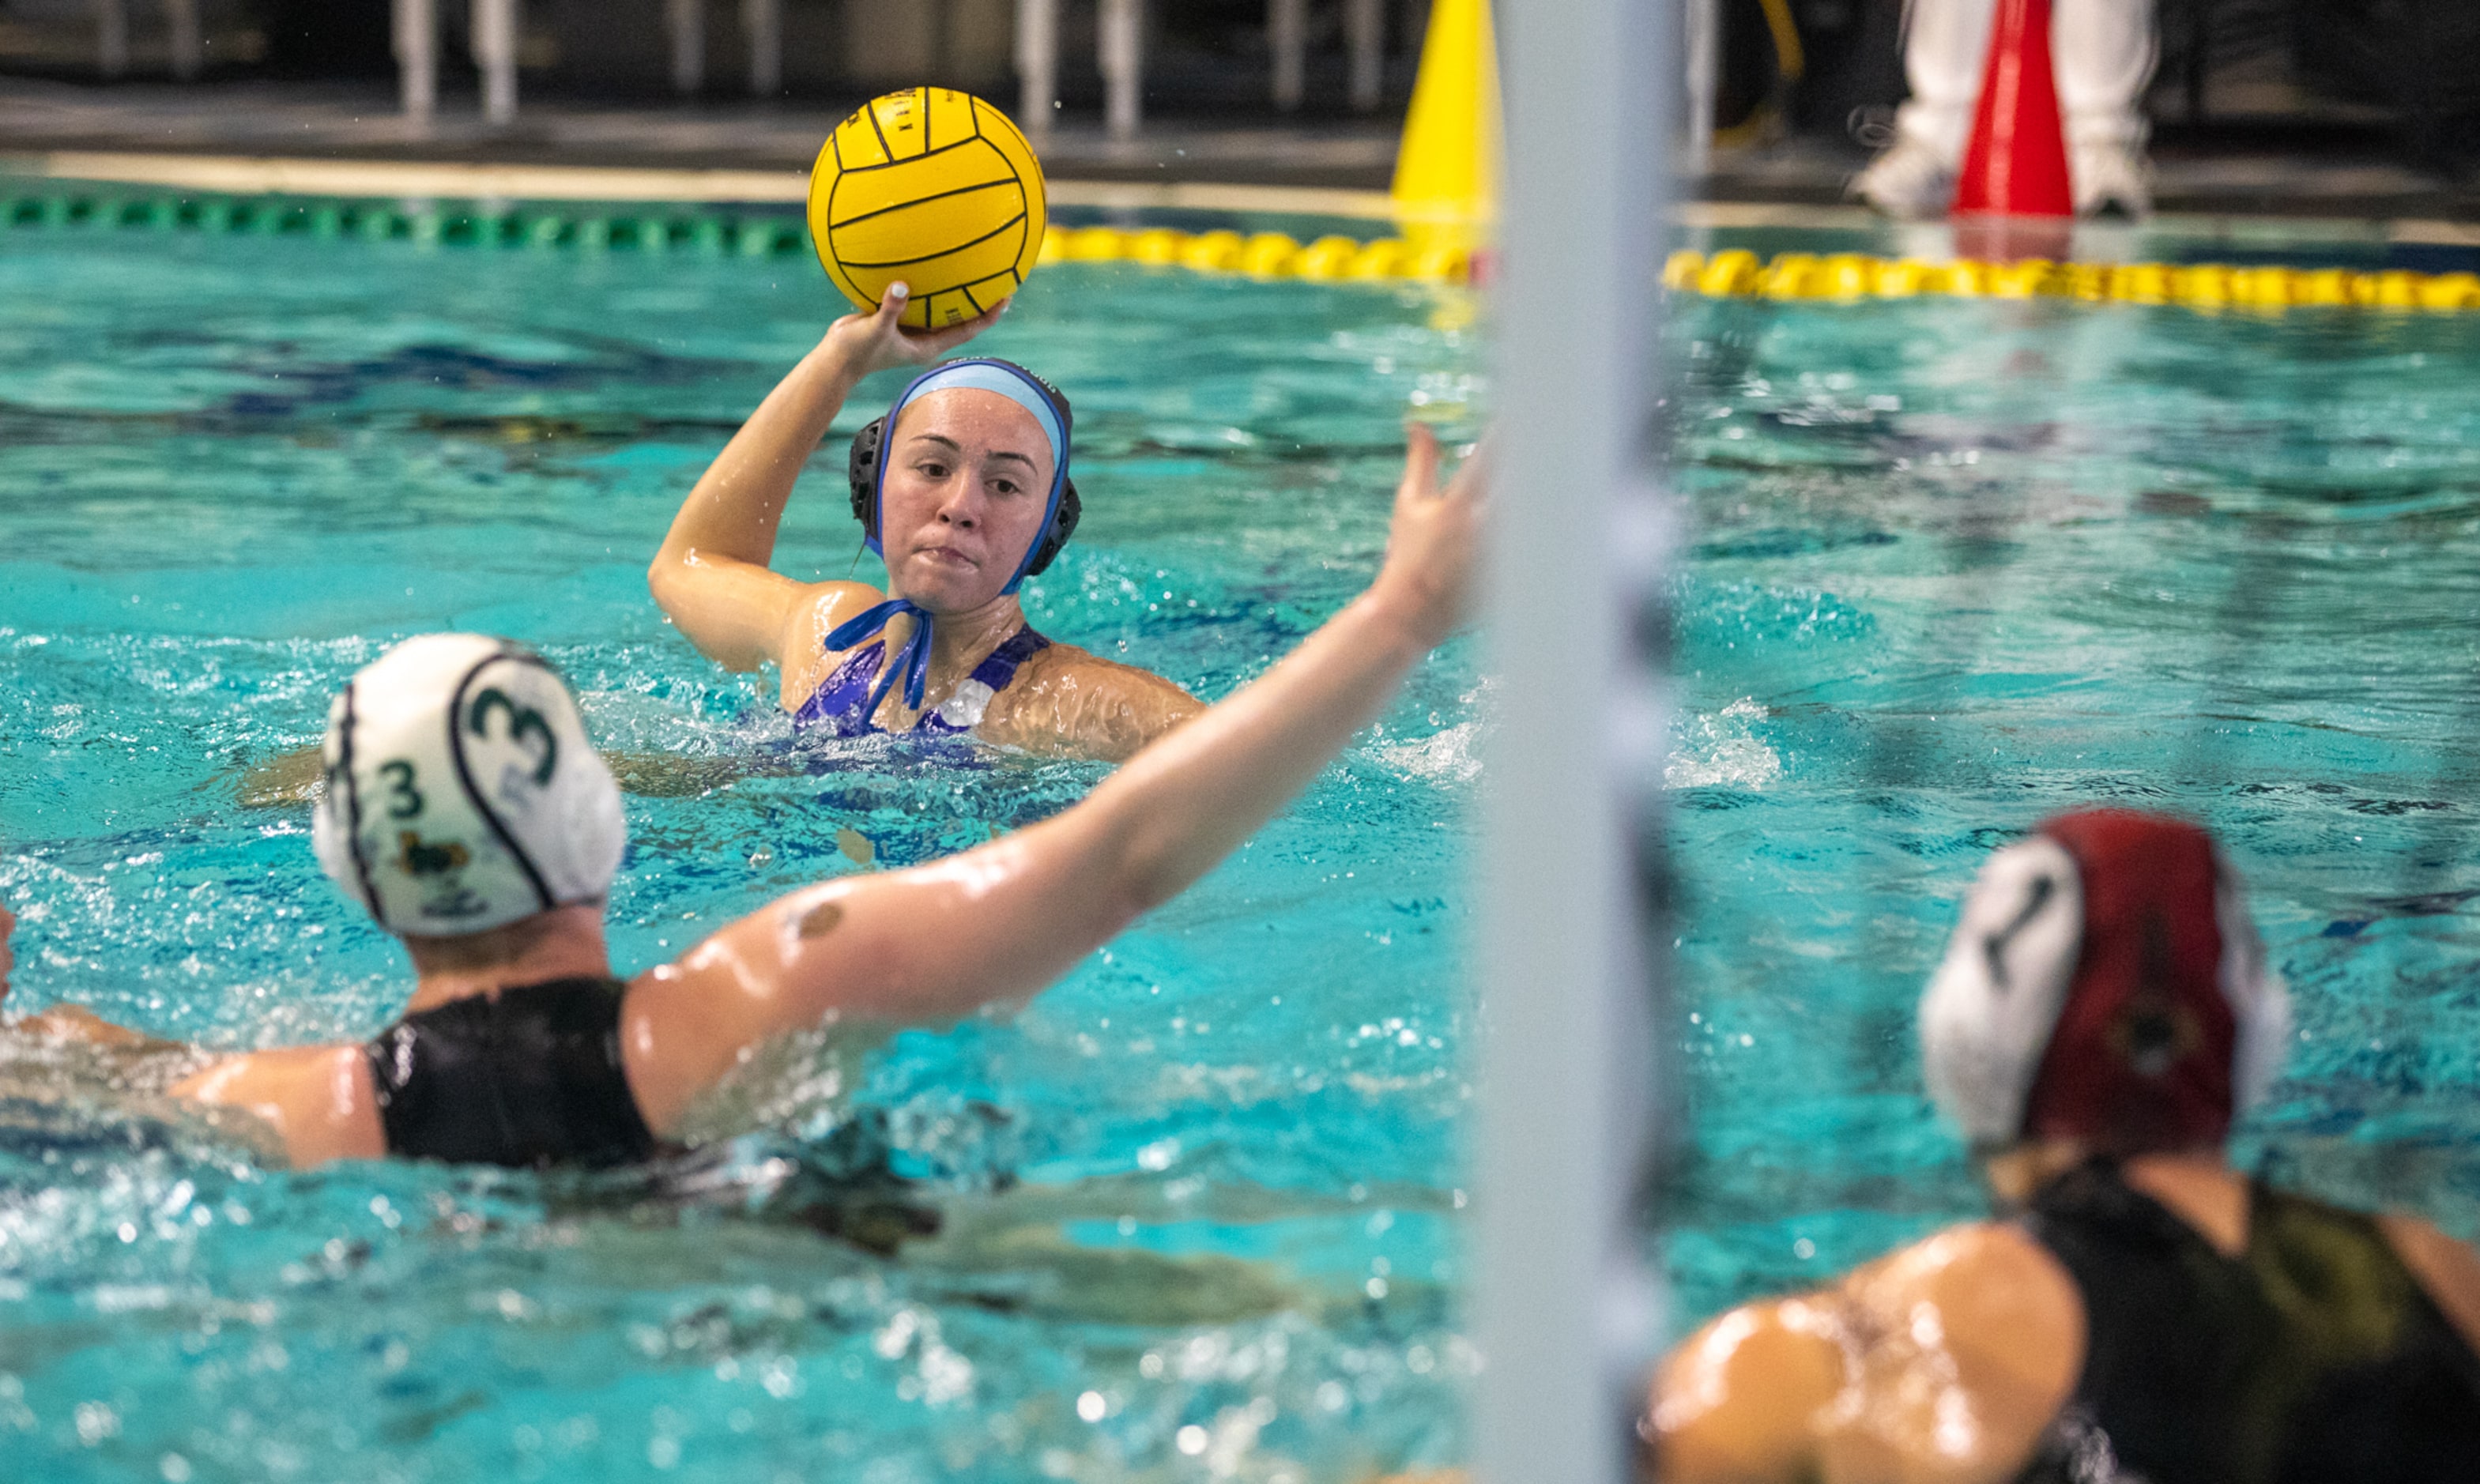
(1853, 277)
(1263, 255)
(1841, 278)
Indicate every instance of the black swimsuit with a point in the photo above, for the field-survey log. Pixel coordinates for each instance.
(528, 1076)
(2313, 1357)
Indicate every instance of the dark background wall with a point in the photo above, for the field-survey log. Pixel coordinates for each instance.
(2294, 73)
(1204, 55)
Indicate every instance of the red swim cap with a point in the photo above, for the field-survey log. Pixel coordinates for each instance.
(2104, 985)
(2142, 1055)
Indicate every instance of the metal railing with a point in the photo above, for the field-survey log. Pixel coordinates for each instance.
(1120, 42)
(112, 29)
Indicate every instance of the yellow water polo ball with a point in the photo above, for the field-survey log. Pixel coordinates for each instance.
(936, 188)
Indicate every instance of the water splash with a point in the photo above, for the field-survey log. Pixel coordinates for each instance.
(1723, 750)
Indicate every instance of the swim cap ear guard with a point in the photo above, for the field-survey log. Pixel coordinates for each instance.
(2105, 985)
(461, 791)
(1987, 1014)
(864, 467)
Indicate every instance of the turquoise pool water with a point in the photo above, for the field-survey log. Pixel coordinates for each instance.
(231, 471)
(1951, 565)
(1956, 565)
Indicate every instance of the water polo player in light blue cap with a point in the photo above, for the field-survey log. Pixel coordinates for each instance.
(963, 489)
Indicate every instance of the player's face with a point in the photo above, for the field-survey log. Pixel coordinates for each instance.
(968, 485)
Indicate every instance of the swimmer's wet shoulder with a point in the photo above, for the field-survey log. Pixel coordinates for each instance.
(1070, 702)
(1831, 1383)
(317, 1099)
(803, 659)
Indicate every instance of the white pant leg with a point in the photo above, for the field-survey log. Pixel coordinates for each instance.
(1946, 46)
(2105, 51)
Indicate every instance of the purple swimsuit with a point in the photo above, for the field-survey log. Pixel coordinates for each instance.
(841, 703)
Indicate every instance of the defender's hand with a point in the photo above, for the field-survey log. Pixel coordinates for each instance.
(875, 342)
(1434, 542)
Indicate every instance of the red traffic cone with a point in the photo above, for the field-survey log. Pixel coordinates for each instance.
(2017, 165)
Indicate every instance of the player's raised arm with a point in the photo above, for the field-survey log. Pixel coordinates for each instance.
(710, 574)
(1000, 922)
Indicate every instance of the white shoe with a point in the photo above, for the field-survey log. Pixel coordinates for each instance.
(1909, 181)
(2111, 177)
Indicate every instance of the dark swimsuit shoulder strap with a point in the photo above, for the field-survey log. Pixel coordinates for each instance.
(2335, 1271)
(528, 1076)
(2311, 1355)
(999, 666)
(2165, 1313)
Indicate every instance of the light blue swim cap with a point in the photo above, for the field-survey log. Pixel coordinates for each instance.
(983, 375)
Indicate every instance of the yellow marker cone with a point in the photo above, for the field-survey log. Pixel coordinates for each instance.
(1446, 172)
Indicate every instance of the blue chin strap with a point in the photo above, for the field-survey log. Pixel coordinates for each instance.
(911, 664)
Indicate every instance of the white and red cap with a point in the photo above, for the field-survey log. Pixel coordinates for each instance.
(2105, 986)
(462, 793)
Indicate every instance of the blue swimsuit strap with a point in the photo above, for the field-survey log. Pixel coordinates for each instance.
(912, 661)
(999, 667)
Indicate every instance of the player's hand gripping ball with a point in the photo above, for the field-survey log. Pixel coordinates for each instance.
(936, 188)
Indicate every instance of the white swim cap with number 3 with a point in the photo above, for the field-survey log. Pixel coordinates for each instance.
(461, 792)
